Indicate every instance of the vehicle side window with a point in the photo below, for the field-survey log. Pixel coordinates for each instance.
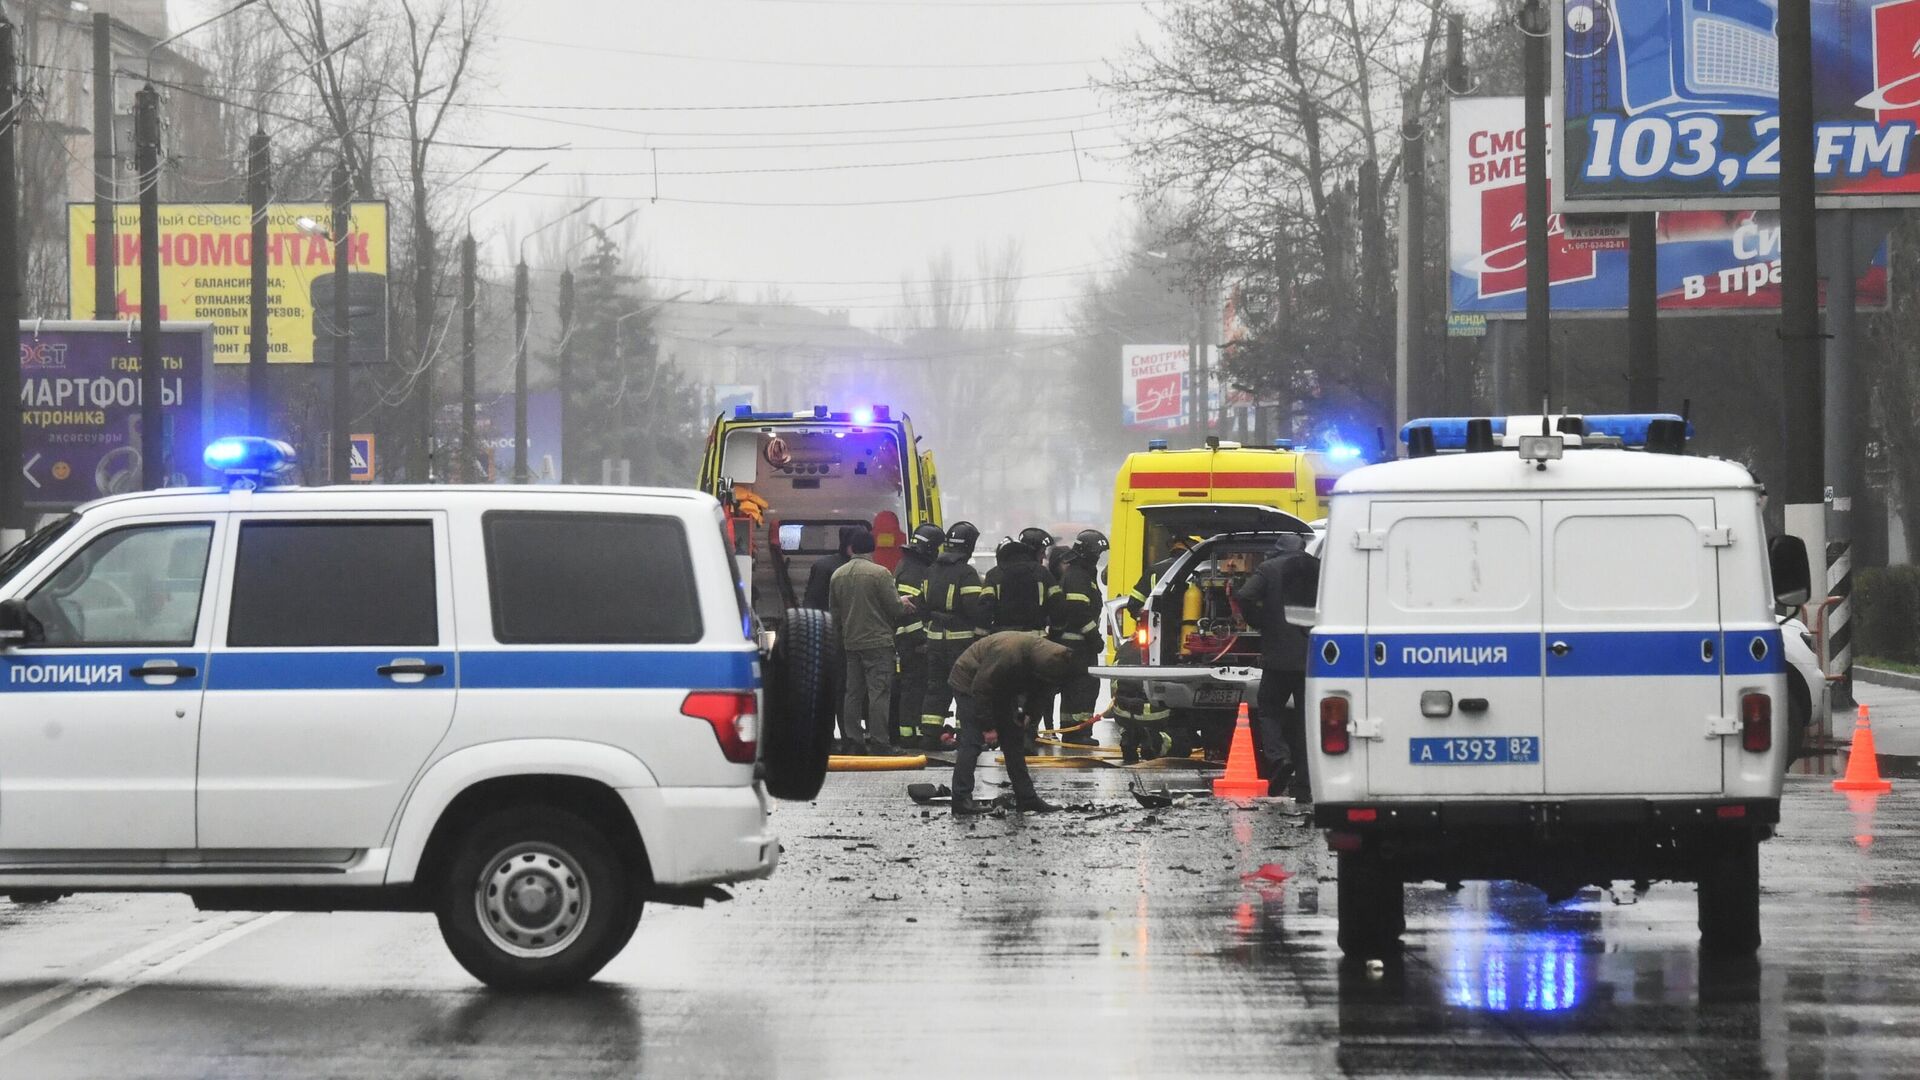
(590, 579)
(305, 584)
(138, 586)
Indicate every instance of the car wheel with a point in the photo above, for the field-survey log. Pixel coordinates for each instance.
(797, 731)
(1730, 899)
(37, 896)
(536, 898)
(1372, 907)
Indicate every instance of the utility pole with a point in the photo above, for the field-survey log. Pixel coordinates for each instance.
(566, 373)
(1413, 222)
(13, 511)
(424, 350)
(1843, 450)
(146, 148)
(520, 301)
(1803, 436)
(1452, 398)
(106, 304)
(469, 256)
(1534, 24)
(1643, 312)
(341, 468)
(259, 193)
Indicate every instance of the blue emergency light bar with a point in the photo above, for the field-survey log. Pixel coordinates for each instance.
(1450, 432)
(249, 457)
(864, 415)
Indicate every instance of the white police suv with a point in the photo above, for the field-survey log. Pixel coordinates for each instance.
(528, 710)
(1552, 657)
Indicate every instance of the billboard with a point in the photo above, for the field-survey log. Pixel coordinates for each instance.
(1709, 260)
(1153, 385)
(80, 401)
(206, 267)
(1662, 102)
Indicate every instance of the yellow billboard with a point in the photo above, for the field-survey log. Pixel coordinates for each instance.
(206, 266)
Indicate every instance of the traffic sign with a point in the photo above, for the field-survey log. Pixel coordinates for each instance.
(361, 447)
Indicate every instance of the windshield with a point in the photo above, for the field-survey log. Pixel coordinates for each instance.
(15, 560)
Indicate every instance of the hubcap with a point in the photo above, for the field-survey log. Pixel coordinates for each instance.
(532, 900)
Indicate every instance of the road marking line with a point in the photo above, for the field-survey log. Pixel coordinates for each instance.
(104, 973)
(121, 976)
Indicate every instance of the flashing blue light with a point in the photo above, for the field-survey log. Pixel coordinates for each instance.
(1156, 444)
(1283, 444)
(1450, 432)
(1339, 451)
(1629, 428)
(863, 416)
(742, 412)
(248, 457)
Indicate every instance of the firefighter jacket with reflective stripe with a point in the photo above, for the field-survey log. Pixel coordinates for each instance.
(1020, 594)
(954, 605)
(1137, 599)
(1077, 616)
(910, 581)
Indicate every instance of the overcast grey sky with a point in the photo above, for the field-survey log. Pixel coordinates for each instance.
(629, 73)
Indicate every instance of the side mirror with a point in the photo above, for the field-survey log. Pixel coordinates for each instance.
(14, 623)
(1787, 558)
(1304, 616)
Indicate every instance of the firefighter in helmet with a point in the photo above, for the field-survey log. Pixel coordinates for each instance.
(1075, 623)
(910, 638)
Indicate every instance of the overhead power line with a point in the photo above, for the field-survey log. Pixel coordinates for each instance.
(838, 65)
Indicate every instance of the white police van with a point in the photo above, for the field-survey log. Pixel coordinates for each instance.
(526, 709)
(1552, 659)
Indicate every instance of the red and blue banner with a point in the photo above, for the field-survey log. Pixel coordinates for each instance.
(1724, 260)
(1660, 103)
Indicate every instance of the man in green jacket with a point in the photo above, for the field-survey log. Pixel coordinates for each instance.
(866, 607)
(988, 683)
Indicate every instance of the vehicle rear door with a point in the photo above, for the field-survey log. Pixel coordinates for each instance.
(1453, 698)
(331, 680)
(1632, 613)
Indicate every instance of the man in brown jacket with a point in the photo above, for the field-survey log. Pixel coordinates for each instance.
(988, 681)
(866, 607)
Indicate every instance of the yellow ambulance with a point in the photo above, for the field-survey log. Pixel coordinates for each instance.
(1162, 495)
(790, 481)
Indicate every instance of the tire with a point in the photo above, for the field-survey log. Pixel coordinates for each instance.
(1799, 715)
(590, 897)
(37, 896)
(797, 731)
(1730, 899)
(1372, 907)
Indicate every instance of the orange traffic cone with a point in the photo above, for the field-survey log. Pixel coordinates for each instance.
(1242, 780)
(1863, 765)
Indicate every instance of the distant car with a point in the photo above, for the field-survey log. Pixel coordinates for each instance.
(528, 710)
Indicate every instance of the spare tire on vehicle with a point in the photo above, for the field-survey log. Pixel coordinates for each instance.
(797, 682)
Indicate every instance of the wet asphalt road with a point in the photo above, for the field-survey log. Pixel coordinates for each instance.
(1104, 941)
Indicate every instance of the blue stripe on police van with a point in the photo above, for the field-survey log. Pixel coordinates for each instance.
(1738, 648)
(1638, 652)
(1425, 656)
(1337, 656)
(650, 669)
(322, 670)
(56, 671)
